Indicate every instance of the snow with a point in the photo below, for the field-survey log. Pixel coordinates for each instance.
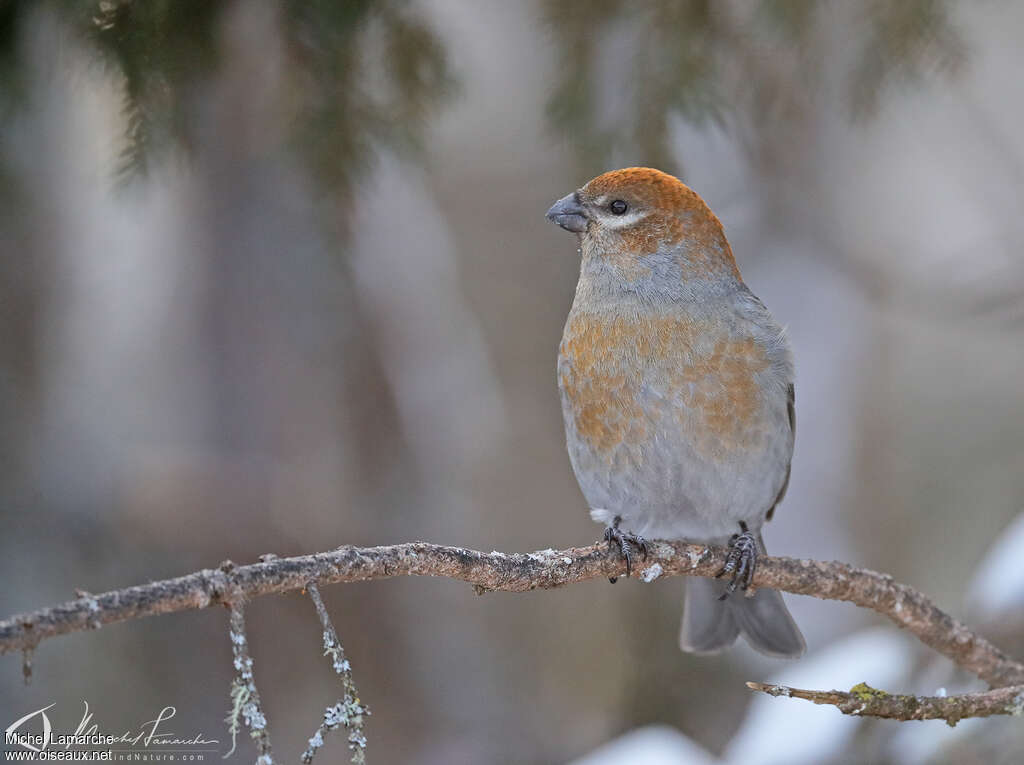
(651, 573)
(998, 583)
(652, 745)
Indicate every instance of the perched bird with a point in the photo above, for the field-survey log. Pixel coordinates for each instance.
(677, 394)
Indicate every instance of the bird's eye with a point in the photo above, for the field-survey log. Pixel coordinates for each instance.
(618, 207)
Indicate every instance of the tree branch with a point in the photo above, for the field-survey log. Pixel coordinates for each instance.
(865, 701)
(518, 572)
(246, 705)
(348, 711)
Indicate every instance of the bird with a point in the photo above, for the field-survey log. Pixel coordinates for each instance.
(678, 397)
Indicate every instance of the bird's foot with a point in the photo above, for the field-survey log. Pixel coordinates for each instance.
(626, 543)
(741, 561)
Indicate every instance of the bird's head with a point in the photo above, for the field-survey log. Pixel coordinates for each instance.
(634, 219)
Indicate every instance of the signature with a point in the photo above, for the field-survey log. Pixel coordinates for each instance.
(152, 733)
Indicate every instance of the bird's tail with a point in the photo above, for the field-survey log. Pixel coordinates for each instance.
(711, 625)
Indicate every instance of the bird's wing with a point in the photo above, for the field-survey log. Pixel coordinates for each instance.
(791, 410)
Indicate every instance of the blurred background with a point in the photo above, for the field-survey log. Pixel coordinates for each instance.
(275, 277)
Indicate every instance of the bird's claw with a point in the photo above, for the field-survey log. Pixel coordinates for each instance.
(625, 541)
(741, 562)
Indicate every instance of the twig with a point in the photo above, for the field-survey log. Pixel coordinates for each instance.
(864, 701)
(26, 663)
(519, 572)
(349, 711)
(245, 698)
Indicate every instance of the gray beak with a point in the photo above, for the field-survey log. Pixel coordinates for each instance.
(568, 213)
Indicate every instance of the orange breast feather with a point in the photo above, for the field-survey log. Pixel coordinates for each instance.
(627, 381)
